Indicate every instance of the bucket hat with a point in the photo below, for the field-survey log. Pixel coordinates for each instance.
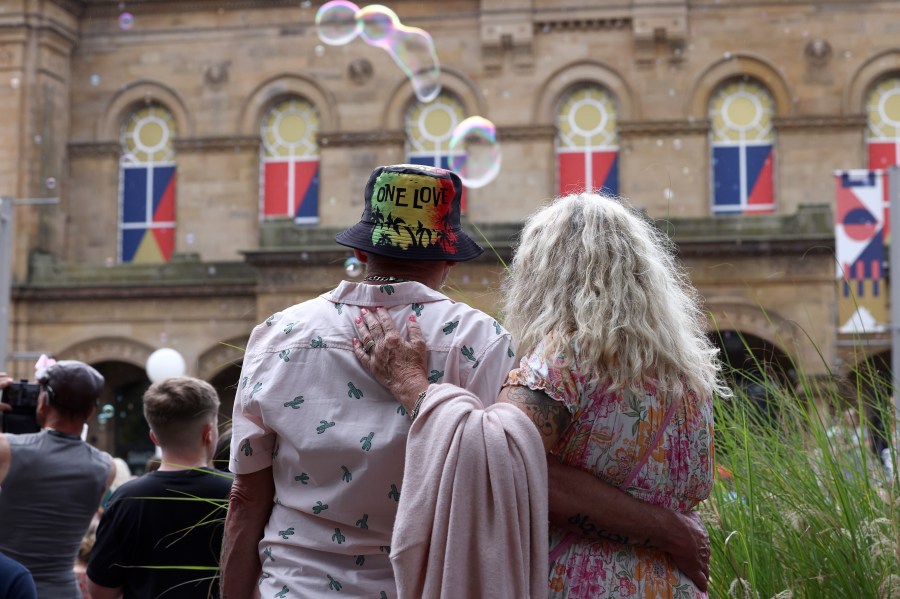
(411, 212)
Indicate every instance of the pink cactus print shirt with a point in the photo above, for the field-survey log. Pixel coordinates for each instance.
(336, 439)
(608, 437)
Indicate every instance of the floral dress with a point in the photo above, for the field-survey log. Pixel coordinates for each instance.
(608, 437)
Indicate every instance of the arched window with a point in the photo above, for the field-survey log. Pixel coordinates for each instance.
(290, 162)
(742, 149)
(587, 143)
(883, 134)
(147, 186)
(429, 127)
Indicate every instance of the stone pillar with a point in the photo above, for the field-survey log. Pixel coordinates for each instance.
(36, 44)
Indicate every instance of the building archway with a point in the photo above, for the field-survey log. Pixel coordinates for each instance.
(118, 425)
(753, 367)
(870, 381)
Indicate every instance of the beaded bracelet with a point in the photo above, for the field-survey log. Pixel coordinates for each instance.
(417, 405)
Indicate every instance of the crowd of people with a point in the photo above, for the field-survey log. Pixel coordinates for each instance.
(387, 441)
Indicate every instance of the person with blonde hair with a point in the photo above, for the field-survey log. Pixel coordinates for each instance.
(617, 375)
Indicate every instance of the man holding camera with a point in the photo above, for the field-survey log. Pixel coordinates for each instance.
(51, 482)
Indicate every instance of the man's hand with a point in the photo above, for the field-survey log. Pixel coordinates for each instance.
(688, 544)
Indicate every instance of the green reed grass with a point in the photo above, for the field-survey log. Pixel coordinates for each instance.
(801, 506)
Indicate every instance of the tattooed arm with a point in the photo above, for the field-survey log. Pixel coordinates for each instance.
(550, 417)
(583, 504)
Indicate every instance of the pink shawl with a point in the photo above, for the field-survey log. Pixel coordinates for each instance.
(472, 519)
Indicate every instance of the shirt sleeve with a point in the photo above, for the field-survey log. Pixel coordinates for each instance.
(110, 557)
(495, 362)
(252, 440)
(541, 372)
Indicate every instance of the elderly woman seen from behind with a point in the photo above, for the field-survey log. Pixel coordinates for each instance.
(617, 375)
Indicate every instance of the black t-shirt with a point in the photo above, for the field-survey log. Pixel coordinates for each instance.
(167, 519)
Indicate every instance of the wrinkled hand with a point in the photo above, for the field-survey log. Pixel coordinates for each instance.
(691, 549)
(398, 364)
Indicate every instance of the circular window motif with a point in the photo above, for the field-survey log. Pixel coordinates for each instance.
(742, 111)
(289, 130)
(148, 135)
(429, 127)
(587, 119)
(884, 110)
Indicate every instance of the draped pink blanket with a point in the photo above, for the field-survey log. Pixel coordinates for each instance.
(472, 519)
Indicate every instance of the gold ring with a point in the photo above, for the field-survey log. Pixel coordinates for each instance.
(369, 345)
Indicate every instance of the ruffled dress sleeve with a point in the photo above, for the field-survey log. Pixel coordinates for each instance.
(542, 372)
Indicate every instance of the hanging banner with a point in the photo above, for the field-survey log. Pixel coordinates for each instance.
(859, 233)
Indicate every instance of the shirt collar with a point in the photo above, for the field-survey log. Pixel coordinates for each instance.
(364, 294)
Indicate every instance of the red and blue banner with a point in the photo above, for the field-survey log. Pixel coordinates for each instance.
(860, 226)
(594, 171)
(147, 213)
(291, 189)
(743, 179)
(884, 154)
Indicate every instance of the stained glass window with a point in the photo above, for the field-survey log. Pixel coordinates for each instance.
(587, 144)
(290, 162)
(147, 186)
(742, 149)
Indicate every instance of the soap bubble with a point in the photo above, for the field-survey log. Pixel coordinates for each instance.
(353, 267)
(95, 80)
(15, 82)
(475, 153)
(51, 183)
(336, 22)
(126, 21)
(411, 48)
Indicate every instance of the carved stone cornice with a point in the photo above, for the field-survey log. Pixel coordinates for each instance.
(812, 123)
(656, 128)
(234, 143)
(340, 139)
(95, 148)
(103, 292)
(544, 24)
(526, 133)
(74, 7)
(112, 7)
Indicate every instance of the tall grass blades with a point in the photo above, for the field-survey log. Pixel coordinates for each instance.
(802, 507)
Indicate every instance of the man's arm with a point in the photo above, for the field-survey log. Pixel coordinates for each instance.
(99, 592)
(4, 443)
(249, 508)
(581, 503)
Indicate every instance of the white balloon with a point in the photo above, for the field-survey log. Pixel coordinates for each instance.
(164, 363)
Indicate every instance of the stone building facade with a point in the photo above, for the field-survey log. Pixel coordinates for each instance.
(202, 103)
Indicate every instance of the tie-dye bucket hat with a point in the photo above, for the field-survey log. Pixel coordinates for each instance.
(412, 212)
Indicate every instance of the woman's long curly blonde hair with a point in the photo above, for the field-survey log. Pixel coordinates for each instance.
(591, 273)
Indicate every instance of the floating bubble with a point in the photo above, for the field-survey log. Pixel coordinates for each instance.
(336, 22)
(38, 139)
(475, 153)
(319, 50)
(126, 21)
(95, 80)
(110, 262)
(353, 267)
(189, 238)
(51, 183)
(411, 48)
(677, 143)
(306, 4)
(15, 82)
(668, 193)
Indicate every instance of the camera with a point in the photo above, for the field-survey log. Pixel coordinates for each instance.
(23, 398)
